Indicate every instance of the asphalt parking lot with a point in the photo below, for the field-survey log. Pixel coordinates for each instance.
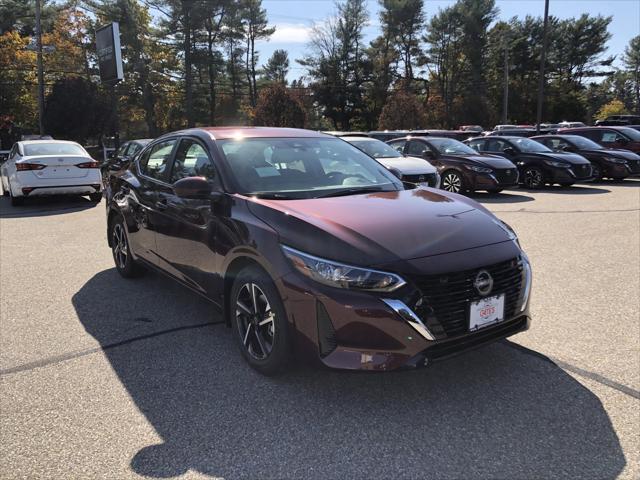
(107, 378)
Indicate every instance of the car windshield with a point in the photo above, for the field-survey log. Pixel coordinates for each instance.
(375, 148)
(584, 143)
(296, 168)
(631, 133)
(51, 148)
(531, 146)
(451, 146)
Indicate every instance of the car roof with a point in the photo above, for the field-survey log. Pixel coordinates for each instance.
(38, 142)
(359, 138)
(220, 133)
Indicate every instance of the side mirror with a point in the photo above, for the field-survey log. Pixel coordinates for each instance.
(509, 151)
(193, 187)
(567, 148)
(396, 173)
(623, 141)
(428, 155)
(112, 154)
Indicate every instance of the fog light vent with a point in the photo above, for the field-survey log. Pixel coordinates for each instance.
(327, 342)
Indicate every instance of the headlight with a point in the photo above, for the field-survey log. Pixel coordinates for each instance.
(615, 160)
(507, 228)
(339, 275)
(478, 169)
(553, 163)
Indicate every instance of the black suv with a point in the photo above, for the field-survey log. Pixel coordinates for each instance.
(461, 168)
(613, 120)
(538, 164)
(605, 162)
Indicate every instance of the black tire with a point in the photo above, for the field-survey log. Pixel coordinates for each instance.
(565, 184)
(452, 182)
(95, 197)
(596, 172)
(533, 178)
(259, 322)
(125, 264)
(495, 190)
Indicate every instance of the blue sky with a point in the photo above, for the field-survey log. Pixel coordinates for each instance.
(293, 20)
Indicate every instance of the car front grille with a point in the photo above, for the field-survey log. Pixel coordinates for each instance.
(506, 175)
(446, 298)
(428, 178)
(581, 171)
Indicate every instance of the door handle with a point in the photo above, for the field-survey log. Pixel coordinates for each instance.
(161, 204)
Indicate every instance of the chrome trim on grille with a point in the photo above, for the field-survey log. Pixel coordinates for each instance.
(409, 316)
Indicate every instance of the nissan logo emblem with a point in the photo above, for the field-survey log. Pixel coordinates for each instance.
(483, 282)
(421, 178)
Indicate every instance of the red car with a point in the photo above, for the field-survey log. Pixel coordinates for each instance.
(312, 249)
(625, 138)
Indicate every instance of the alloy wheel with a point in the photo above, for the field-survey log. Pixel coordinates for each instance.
(452, 182)
(533, 178)
(255, 321)
(120, 250)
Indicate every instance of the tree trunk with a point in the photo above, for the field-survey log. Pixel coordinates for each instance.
(186, 11)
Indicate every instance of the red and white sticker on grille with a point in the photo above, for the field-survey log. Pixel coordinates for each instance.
(486, 311)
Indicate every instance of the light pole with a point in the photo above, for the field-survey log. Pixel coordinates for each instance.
(505, 100)
(543, 55)
(40, 70)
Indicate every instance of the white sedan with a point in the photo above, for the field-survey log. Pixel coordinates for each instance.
(50, 167)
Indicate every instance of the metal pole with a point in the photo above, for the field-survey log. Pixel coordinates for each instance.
(505, 100)
(543, 55)
(40, 69)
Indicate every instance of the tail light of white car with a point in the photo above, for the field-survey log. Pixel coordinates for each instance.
(88, 165)
(21, 167)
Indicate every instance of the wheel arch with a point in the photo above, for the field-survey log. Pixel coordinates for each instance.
(230, 273)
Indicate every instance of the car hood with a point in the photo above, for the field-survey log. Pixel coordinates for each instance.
(381, 227)
(493, 161)
(572, 158)
(408, 165)
(612, 152)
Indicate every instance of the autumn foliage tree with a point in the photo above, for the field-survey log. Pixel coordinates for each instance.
(403, 111)
(276, 107)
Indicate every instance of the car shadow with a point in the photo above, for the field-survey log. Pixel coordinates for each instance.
(43, 206)
(627, 182)
(503, 197)
(572, 190)
(492, 413)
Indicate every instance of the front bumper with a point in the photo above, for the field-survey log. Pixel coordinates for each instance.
(569, 175)
(362, 331)
(492, 181)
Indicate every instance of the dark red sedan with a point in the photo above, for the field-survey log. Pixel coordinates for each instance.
(313, 250)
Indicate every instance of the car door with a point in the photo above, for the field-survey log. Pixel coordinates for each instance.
(153, 172)
(8, 166)
(612, 139)
(420, 149)
(186, 228)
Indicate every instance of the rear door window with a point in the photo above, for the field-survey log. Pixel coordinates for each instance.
(155, 162)
(399, 145)
(495, 145)
(478, 145)
(417, 148)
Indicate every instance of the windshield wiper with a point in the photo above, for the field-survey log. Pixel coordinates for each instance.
(351, 191)
(271, 195)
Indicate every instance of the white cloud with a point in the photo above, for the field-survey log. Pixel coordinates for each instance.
(291, 33)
